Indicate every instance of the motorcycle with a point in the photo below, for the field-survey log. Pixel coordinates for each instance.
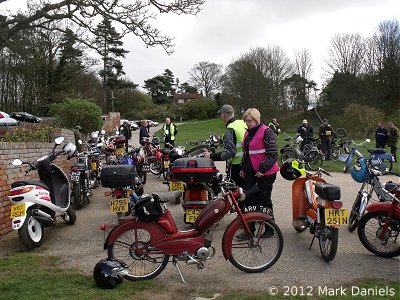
(144, 242)
(315, 205)
(36, 204)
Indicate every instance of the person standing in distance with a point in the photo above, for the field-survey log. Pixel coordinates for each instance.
(325, 134)
(143, 133)
(232, 138)
(381, 136)
(170, 130)
(393, 139)
(274, 125)
(305, 130)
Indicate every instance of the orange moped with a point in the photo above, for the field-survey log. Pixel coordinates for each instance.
(315, 205)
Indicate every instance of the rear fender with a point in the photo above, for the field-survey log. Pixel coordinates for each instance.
(155, 231)
(383, 206)
(235, 225)
(17, 222)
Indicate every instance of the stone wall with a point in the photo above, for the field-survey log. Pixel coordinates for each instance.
(9, 173)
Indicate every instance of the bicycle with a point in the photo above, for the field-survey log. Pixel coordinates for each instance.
(312, 158)
(214, 142)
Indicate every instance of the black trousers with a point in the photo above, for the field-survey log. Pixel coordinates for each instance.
(259, 190)
(393, 150)
(234, 171)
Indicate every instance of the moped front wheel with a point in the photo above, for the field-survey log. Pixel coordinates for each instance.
(315, 160)
(286, 155)
(260, 251)
(155, 166)
(31, 232)
(131, 248)
(70, 216)
(373, 236)
(196, 151)
(355, 214)
(328, 242)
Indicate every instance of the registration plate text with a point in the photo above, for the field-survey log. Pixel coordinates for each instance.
(336, 216)
(119, 205)
(176, 186)
(191, 215)
(17, 210)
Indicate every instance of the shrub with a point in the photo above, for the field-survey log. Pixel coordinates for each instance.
(41, 133)
(77, 112)
(362, 119)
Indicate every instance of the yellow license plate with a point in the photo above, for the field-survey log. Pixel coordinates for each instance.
(166, 163)
(191, 215)
(176, 186)
(107, 194)
(336, 216)
(94, 166)
(17, 210)
(119, 205)
(120, 151)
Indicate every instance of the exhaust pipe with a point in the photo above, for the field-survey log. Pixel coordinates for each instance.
(42, 217)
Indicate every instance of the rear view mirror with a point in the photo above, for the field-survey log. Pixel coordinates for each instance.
(367, 140)
(59, 140)
(17, 162)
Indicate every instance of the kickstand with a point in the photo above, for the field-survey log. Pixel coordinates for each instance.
(312, 241)
(175, 264)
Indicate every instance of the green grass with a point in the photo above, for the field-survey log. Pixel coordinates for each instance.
(27, 276)
(199, 130)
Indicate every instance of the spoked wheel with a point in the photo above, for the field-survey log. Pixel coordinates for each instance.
(143, 263)
(31, 232)
(79, 195)
(70, 216)
(314, 161)
(260, 252)
(328, 242)
(384, 165)
(355, 214)
(195, 151)
(286, 155)
(385, 244)
(155, 166)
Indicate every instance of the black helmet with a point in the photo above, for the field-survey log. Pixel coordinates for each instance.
(292, 169)
(109, 273)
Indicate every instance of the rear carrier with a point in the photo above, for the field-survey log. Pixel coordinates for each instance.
(193, 169)
(118, 176)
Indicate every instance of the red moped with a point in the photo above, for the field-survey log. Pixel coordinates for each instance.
(145, 242)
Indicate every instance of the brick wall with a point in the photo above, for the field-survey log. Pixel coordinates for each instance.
(10, 173)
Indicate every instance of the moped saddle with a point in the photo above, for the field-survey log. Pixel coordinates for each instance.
(165, 151)
(376, 151)
(327, 191)
(29, 182)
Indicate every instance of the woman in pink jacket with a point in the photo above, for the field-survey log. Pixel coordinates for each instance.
(259, 165)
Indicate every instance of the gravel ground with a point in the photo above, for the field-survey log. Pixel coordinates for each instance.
(81, 246)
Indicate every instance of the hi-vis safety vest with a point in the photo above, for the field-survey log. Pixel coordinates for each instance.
(171, 129)
(240, 128)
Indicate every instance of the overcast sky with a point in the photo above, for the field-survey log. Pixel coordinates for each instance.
(225, 29)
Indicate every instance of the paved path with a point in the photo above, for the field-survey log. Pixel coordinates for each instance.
(81, 246)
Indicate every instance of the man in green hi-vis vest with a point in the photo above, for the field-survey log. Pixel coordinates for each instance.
(169, 130)
(232, 138)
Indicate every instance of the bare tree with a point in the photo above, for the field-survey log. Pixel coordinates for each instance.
(303, 63)
(346, 54)
(206, 76)
(132, 16)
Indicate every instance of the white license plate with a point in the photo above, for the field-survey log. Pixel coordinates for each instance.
(75, 176)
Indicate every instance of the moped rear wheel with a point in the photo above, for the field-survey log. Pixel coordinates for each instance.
(315, 160)
(369, 233)
(143, 263)
(195, 151)
(79, 197)
(328, 242)
(259, 252)
(31, 232)
(286, 155)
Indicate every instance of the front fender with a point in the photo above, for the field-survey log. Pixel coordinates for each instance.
(235, 225)
(383, 206)
(155, 231)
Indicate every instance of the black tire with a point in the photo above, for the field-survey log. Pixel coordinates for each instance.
(328, 242)
(70, 216)
(355, 216)
(302, 227)
(79, 197)
(286, 155)
(31, 232)
(155, 166)
(195, 151)
(341, 132)
(142, 175)
(178, 199)
(385, 165)
(316, 160)
(261, 253)
(371, 225)
(143, 266)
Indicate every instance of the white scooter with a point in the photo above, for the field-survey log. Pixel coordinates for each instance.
(36, 204)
